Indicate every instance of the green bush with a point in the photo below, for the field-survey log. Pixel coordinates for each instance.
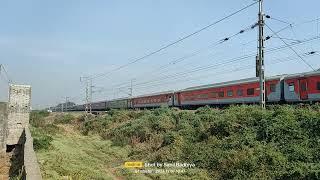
(238, 142)
(42, 142)
(37, 118)
(64, 119)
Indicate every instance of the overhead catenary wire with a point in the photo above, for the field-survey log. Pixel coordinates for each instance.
(201, 68)
(3, 69)
(241, 31)
(173, 43)
(187, 74)
(174, 62)
(209, 67)
(276, 19)
(177, 80)
(197, 52)
(294, 43)
(288, 45)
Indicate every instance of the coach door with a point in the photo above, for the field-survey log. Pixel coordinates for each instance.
(303, 89)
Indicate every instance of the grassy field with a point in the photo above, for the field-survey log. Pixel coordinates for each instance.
(63, 152)
(240, 142)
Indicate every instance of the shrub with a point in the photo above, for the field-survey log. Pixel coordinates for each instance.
(37, 118)
(42, 142)
(64, 119)
(238, 142)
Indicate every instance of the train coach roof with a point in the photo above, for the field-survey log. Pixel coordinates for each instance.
(310, 73)
(154, 94)
(110, 100)
(229, 83)
(118, 99)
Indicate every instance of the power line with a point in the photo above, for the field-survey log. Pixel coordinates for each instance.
(276, 61)
(173, 43)
(174, 62)
(276, 19)
(221, 41)
(208, 67)
(290, 47)
(197, 52)
(225, 39)
(177, 80)
(2, 67)
(268, 50)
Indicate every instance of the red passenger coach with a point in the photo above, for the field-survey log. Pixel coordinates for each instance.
(302, 87)
(295, 88)
(232, 92)
(153, 100)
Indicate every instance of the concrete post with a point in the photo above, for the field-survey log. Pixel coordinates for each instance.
(3, 126)
(18, 112)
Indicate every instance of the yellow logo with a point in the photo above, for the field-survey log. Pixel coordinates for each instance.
(136, 164)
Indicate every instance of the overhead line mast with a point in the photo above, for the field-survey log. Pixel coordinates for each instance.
(260, 57)
(88, 93)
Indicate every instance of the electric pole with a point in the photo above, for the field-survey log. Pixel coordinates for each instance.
(88, 94)
(260, 57)
(131, 89)
(90, 98)
(66, 106)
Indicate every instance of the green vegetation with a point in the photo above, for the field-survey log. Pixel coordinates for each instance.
(239, 142)
(36, 118)
(42, 130)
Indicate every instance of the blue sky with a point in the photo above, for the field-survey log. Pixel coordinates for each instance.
(50, 44)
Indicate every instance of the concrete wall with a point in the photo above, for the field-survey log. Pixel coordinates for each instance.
(32, 170)
(14, 130)
(3, 125)
(18, 112)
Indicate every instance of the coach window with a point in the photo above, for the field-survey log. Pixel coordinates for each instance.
(272, 88)
(318, 85)
(250, 91)
(291, 87)
(214, 94)
(229, 93)
(240, 92)
(221, 94)
(203, 96)
(303, 86)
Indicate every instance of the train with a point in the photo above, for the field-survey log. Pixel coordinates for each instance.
(287, 88)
